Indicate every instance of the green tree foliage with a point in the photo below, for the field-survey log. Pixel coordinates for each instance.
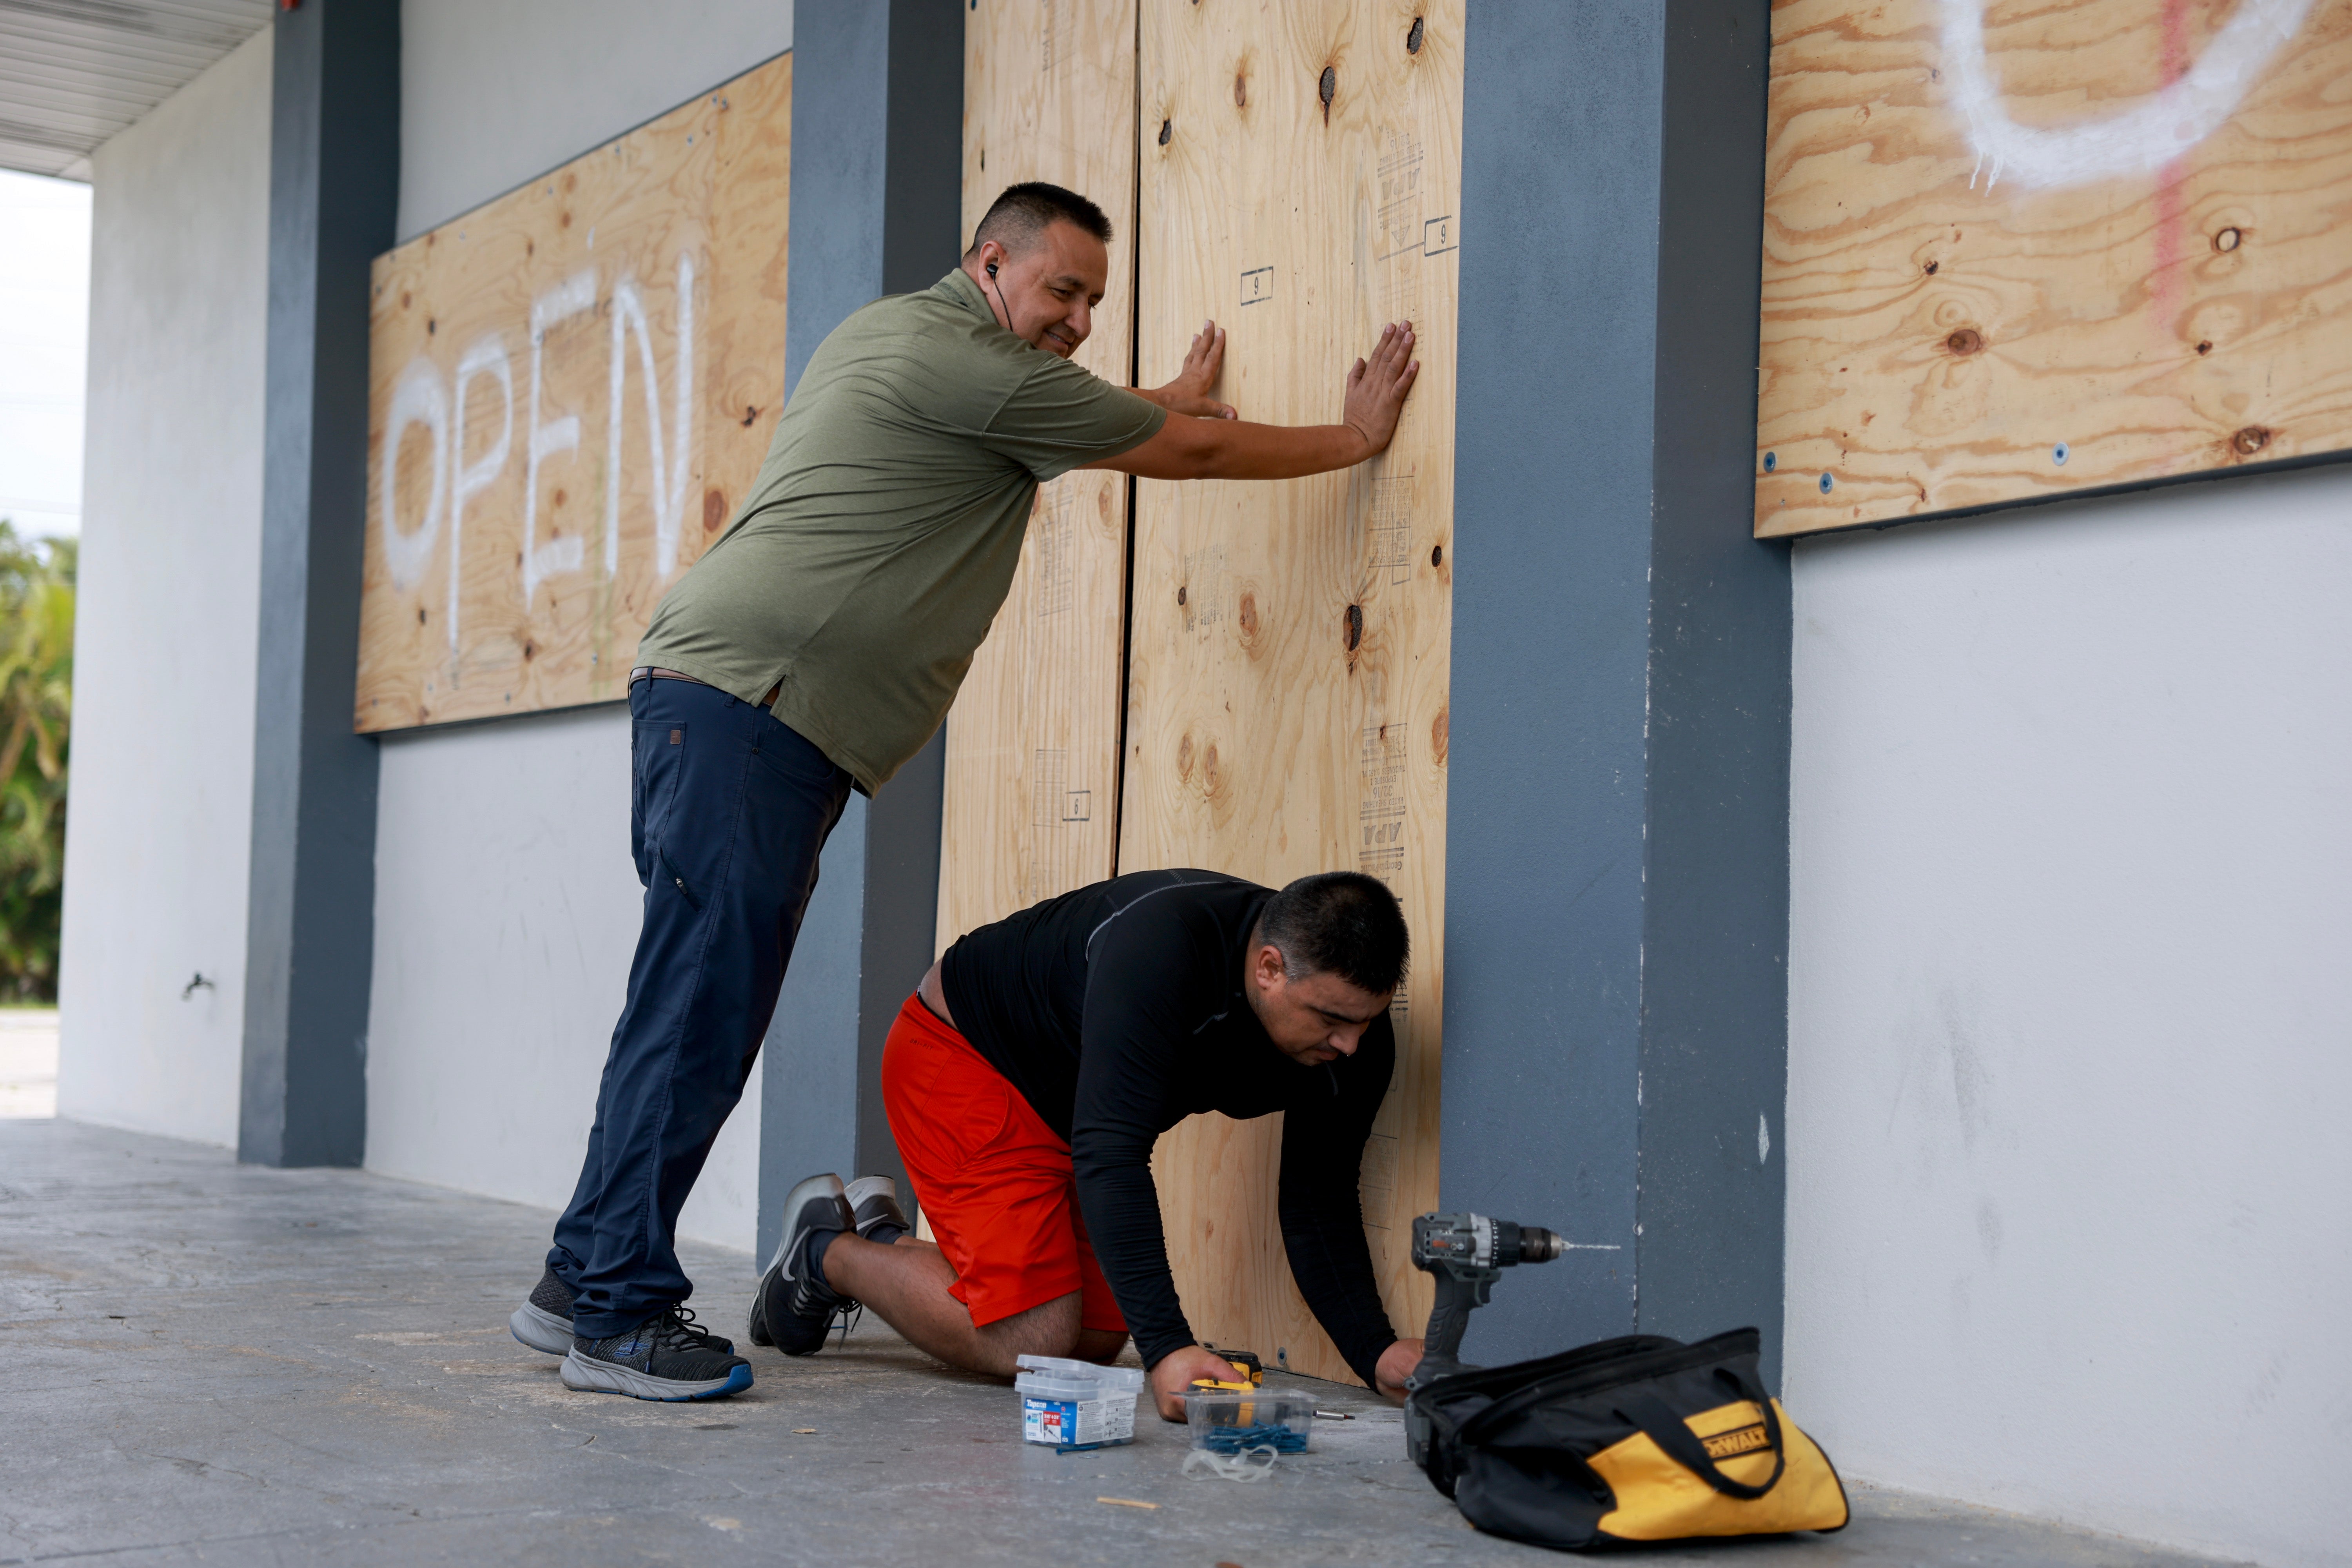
(37, 628)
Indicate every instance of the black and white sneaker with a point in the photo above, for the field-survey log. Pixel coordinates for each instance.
(666, 1357)
(793, 1310)
(544, 1320)
(874, 1203)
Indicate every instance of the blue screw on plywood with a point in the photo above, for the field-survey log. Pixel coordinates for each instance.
(1826, 483)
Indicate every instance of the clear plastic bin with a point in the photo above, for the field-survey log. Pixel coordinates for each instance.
(1232, 1423)
(1071, 1404)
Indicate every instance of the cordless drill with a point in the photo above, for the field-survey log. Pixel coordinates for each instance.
(1464, 1252)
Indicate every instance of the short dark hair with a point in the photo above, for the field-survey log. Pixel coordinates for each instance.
(1017, 217)
(1338, 922)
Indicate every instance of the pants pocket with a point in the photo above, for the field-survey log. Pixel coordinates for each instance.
(678, 879)
(657, 762)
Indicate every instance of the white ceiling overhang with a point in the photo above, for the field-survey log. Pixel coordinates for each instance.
(74, 72)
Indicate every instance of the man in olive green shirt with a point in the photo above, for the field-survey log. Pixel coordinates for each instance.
(812, 650)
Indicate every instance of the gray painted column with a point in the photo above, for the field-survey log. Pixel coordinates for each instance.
(877, 127)
(334, 185)
(1616, 1000)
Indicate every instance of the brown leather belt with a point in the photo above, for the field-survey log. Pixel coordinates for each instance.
(655, 672)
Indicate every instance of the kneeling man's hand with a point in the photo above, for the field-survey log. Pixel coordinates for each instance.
(1396, 1365)
(1176, 1371)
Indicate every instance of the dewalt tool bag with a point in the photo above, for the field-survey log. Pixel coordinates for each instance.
(1632, 1440)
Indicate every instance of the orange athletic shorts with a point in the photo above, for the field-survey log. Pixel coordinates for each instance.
(991, 1178)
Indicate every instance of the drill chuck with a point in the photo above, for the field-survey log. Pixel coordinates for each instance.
(1538, 1245)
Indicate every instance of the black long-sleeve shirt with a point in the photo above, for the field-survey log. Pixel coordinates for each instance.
(1118, 1011)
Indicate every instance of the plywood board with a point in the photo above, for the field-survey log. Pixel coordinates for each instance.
(2014, 251)
(1032, 740)
(572, 389)
(1288, 695)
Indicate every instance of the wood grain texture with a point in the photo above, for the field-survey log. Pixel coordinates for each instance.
(1287, 689)
(2111, 243)
(547, 451)
(1032, 740)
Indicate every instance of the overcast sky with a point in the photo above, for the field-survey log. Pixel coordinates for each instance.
(44, 347)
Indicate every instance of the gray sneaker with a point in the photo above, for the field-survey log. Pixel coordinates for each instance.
(874, 1203)
(665, 1357)
(544, 1320)
(793, 1310)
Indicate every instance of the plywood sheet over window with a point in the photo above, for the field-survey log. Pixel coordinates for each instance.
(2013, 250)
(573, 388)
(1033, 741)
(1301, 165)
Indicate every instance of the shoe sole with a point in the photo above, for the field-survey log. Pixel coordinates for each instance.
(857, 1192)
(603, 1377)
(814, 1187)
(541, 1330)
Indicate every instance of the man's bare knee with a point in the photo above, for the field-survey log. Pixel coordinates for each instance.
(1100, 1346)
(1050, 1328)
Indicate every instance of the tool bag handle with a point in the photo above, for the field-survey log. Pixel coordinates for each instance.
(1473, 1427)
(1681, 1445)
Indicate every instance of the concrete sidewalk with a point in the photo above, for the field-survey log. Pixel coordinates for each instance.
(215, 1362)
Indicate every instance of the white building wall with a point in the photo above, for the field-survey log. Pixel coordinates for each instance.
(506, 903)
(2070, 1200)
(160, 815)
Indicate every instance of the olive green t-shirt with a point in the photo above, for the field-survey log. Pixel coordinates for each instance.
(880, 537)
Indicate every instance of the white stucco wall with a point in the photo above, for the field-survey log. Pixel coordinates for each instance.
(2070, 1201)
(160, 815)
(505, 913)
(506, 904)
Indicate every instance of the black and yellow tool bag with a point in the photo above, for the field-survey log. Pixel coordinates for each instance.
(1629, 1441)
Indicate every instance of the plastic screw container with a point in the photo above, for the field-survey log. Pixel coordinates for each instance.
(1226, 1423)
(1071, 1404)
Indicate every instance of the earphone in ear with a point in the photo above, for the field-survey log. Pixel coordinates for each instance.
(1000, 296)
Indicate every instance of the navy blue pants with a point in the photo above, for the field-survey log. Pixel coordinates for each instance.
(729, 809)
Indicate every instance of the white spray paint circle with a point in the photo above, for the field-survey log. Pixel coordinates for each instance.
(2139, 140)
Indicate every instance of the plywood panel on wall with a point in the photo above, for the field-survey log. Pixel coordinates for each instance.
(2014, 249)
(1288, 697)
(573, 387)
(1033, 741)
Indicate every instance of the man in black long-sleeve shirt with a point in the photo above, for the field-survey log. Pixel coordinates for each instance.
(1027, 1080)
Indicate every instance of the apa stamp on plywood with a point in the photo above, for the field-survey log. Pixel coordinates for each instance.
(1388, 526)
(1257, 286)
(1400, 196)
(1377, 1182)
(1381, 797)
(1055, 526)
(1201, 592)
(1056, 813)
